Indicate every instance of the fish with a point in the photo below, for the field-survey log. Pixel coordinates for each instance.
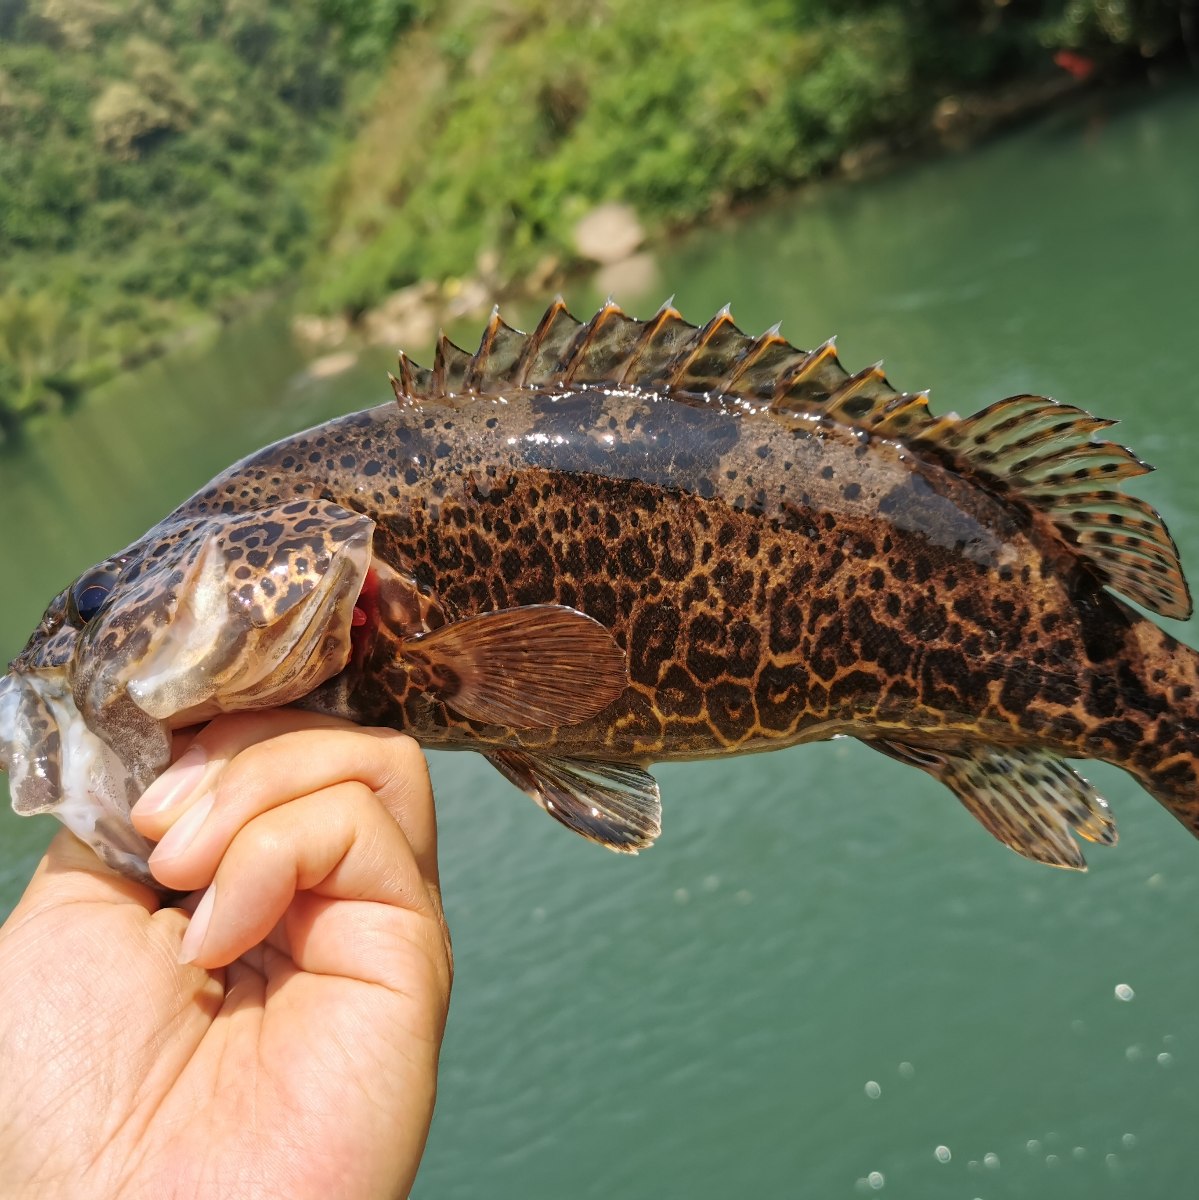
(607, 544)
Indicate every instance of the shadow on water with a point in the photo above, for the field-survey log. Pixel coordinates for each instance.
(704, 1020)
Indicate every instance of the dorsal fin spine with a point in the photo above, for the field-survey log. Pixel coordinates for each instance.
(532, 347)
(666, 317)
(752, 355)
(703, 339)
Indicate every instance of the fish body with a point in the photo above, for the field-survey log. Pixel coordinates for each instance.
(619, 543)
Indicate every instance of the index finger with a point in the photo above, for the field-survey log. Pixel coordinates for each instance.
(287, 767)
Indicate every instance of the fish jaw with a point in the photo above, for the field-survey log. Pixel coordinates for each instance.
(57, 765)
(247, 611)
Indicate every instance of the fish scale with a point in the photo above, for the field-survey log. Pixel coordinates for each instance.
(608, 544)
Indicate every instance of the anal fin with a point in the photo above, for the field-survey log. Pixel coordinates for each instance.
(1027, 798)
(615, 804)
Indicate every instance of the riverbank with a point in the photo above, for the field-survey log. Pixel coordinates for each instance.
(159, 171)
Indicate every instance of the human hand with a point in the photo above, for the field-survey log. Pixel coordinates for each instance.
(295, 1054)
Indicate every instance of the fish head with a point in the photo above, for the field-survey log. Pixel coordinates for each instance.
(209, 613)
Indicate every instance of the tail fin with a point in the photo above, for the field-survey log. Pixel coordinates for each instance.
(1149, 721)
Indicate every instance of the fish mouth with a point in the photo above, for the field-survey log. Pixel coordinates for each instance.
(56, 764)
(83, 740)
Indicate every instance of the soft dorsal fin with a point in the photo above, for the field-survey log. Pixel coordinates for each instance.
(1030, 448)
(1028, 799)
(1042, 452)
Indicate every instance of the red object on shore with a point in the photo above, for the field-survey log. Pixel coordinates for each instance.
(1078, 65)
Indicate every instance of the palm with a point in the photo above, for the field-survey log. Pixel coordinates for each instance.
(126, 1074)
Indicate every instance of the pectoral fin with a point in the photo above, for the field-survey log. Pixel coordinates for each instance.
(615, 804)
(1027, 798)
(535, 667)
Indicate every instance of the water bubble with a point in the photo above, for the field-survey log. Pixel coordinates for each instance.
(1169, 1039)
(942, 1153)
(992, 1161)
(873, 1090)
(1051, 1160)
(1077, 1025)
(1080, 1152)
(875, 1179)
(1034, 1147)
(1155, 881)
(907, 1070)
(1129, 1139)
(711, 883)
(539, 914)
(743, 897)
(1124, 992)
(1111, 1160)
(1165, 1059)
(682, 895)
(974, 1165)
(1132, 1053)
(1051, 1137)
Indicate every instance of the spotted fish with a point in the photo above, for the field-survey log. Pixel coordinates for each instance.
(604, 545)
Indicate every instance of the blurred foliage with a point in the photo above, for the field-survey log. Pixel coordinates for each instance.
(160, 160)
(543, 108)
(157, 162)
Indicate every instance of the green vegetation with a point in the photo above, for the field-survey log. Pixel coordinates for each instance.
(539, 109)
(161, 160)
(156, 164)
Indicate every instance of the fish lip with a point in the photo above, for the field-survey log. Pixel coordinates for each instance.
(10, 699)
(57, 765)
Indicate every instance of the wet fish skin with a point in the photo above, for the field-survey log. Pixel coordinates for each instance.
(782, 552)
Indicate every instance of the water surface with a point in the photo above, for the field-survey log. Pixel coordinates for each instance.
(703, 1020)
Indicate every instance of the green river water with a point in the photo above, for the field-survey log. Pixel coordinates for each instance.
(704, 1020)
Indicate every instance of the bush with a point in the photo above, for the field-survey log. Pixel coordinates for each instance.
(548, 107)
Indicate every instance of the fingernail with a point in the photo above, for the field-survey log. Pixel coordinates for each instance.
(197, 930)
(174, 784)
(181, 835)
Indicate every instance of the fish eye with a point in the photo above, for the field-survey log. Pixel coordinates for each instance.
(90, 591)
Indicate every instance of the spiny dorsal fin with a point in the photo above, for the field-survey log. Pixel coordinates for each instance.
(496, 361)
(600, 348)
(1028, 447)
(711, 356)
(762, 365)
(663, 339)
(415, 381)
(546, 345)
(1028, 799)
(450, 364)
